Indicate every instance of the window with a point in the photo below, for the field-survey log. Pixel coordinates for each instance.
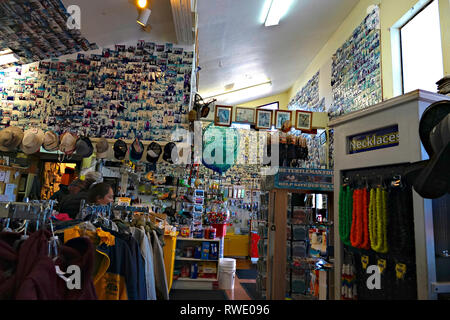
(270, 106)
(421, 50)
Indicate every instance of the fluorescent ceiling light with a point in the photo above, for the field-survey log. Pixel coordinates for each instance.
(8, 58)
(275, 9)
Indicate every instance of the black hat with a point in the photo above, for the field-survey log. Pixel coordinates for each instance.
(154, 151)
(430, 119)
(120, 149)
(136, 150)
(168, 151)
(84, 147)
(431, 178)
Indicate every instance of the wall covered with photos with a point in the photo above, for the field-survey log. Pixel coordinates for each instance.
(356, 69)
(136, 91)
(37, 29)
(307, 98)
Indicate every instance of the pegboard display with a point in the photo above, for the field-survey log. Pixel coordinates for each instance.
(37, 30)
(136, 91)
(356, 69)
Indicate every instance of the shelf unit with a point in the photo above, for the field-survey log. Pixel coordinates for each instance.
(198, 283)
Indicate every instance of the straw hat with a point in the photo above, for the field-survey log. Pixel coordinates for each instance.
(51, 141)
(10, 139)
(102, 147)
(32, 140)
(68, 143)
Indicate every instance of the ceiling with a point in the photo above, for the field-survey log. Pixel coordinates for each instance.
(114, 22)
(236, 47)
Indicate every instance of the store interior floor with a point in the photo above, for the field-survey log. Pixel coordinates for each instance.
(244, 286)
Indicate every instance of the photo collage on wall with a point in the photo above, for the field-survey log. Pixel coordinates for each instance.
(356, 69)
(138, 91)
(308, 99)
(36, 30)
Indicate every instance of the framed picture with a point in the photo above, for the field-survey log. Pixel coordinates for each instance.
(245, 115)
(281, 117)
(223, 116)
(303, 120)
(264, 119)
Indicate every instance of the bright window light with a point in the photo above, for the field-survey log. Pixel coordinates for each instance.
(275, 9)
(422, 51)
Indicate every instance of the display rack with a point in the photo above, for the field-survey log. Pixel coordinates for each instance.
(197, 283)
(279, 187)
(403, 113)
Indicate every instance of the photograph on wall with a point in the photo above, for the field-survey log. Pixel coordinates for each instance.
(303, 120)
(264, 119)
(245, 115)
(281, 117)
(223, 116)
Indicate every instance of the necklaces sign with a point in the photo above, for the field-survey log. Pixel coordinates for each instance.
(73, 281)
(374, 140)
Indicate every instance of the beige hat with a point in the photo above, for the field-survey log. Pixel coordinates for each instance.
(102, 148)
(51, 141)
(68, 143)
(32, 140)
(10, 139)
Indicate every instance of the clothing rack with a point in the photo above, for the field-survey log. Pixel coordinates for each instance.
(25, 210)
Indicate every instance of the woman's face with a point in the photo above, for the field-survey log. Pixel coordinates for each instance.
(107, 199)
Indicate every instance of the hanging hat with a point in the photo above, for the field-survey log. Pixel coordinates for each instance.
(51, 141)
(32, 140)
(84, 147)
(120, 149)
(102, 147)
(168, 150)
(154, 151)
(68, 143)
(136, 150)
(10, 139)
(430, 118)
(205, 111)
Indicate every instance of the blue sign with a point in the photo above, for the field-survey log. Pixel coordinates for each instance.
(304, 179)
(378, 139)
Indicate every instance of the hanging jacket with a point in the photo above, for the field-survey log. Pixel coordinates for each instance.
(8, 264)
(79, 252)
(147, 254)
(160, 271)
(35, 277)
(114, 276)
(137, 267)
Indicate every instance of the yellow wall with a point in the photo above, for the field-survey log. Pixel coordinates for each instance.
(390, 12)
(282, 98)
(444, 7)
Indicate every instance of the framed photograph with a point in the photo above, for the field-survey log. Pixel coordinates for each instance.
(281, 117)
(223, 116)
(303, 120)
(264, 119)
(245, 115)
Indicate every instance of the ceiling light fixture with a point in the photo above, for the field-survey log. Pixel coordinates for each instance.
(274, 10)
(143, 17)
(142, 4)
(267, 83)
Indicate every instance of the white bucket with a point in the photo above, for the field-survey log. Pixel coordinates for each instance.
(227, 273)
